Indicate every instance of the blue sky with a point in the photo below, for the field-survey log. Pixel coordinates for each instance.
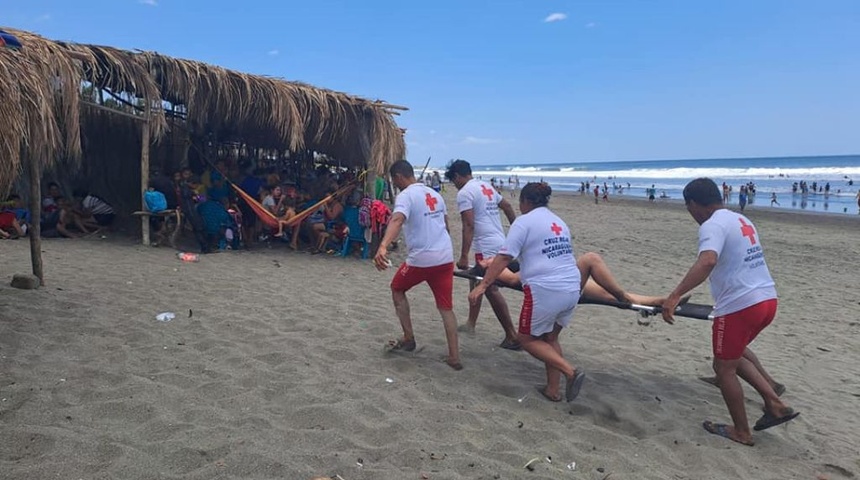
(529, 81)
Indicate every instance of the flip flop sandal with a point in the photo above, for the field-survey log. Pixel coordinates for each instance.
(768, 421)
(722, 430)
(401, 347)
(542, 390)
(574, 385)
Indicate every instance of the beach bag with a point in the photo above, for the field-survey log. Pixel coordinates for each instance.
(364, 212)
(155, 201)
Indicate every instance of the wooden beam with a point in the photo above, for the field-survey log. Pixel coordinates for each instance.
(118, 112)
(36, 215)
(382, 104)
(144, 171)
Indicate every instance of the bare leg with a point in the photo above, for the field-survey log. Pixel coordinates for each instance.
(733, 395)
(727, 376)
(751, 375)
(503, 314)
(449, 321)
(401, 307)
(548, 350)
(17, 226)
(591, 265)
(474, 311)
(749, 355)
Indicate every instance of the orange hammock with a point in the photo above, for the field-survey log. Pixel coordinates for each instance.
(271, 220)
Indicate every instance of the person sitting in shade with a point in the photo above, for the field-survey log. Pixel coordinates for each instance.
(94, 212)
(67, 217)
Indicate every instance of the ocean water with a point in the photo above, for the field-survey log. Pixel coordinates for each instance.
(670, 176)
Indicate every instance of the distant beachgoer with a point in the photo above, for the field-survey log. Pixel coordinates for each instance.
(422, 215)
(742, 198)
(652, 193)
(551, 284)
(858, 201)
(773, 199)
(436, 182)
(596, 194)
(745, 303)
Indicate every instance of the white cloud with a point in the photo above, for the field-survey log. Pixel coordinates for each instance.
(590, 25)
(432, 132)
(44, 17)
(151, 3)
(273, 53)
(555, 17)
(480, 141)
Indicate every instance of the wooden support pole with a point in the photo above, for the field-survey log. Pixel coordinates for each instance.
(36, 216)
(144, 172)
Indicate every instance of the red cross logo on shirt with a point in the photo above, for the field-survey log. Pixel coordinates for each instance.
(555, 229)
(748, 231)
(488, 192)
(431, 202)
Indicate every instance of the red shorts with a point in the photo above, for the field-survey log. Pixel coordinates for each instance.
(7, 219)
(440, 278)
(733, 332)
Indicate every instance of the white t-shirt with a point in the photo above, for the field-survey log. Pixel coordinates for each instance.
(741, 278)
(96, 205)
(426, 235)
(483, 200)
(542, 242)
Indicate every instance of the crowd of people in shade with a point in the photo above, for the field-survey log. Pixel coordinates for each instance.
(82, 214)
(222, 220)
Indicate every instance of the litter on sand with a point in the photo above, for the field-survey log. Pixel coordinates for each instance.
(165, 317)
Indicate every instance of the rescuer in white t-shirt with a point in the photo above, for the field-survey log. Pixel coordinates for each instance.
(479, 205)
(551, 283)
(421, 213)
(745, 302)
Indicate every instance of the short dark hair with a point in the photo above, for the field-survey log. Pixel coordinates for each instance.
(403, 168)
(79, 193)
(536, 193)
(457, 167)
(703, 191)
(53, 184)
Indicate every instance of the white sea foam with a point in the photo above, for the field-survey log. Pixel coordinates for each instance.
(809, 174)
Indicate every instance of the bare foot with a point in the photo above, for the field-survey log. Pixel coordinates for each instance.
(454, 363)
(467, 328)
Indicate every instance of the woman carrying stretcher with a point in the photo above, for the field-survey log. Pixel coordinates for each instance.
(552, 281)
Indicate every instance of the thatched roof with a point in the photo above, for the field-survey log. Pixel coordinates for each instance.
(40, 105)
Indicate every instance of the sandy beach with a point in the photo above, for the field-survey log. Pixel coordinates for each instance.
(274, 365)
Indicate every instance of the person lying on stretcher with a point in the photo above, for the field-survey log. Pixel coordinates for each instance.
(598, 282)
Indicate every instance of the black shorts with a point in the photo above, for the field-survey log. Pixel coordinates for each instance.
(104, 219)
(479, 271)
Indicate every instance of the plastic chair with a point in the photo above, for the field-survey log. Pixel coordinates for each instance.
(356, 233)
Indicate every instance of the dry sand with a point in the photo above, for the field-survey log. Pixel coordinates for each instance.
(280, 371)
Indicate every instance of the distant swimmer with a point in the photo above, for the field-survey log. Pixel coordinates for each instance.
(773, 199)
